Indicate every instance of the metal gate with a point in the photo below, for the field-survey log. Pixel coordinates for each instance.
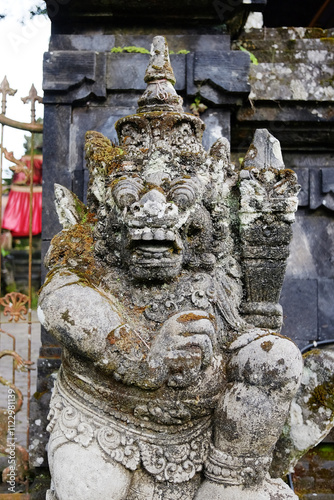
(17, 320)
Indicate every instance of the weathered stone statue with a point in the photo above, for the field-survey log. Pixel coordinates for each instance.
(164, 292)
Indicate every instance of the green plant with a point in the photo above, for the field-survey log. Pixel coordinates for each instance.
(197, 107)
(11, 287)
(34, 299)
(4, 252)
(251, 55)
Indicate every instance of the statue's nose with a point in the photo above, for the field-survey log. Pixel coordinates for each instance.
(152, 204)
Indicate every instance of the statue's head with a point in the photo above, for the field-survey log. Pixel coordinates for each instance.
(156, 193)
(163, 221)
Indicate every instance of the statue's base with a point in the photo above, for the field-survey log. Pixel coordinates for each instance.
(50, 495)
(269, 489)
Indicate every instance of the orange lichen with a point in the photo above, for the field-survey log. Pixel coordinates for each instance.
(267, 345)
(184, 318)
(124, 339)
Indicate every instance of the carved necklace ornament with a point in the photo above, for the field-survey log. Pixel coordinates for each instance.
(163, 292)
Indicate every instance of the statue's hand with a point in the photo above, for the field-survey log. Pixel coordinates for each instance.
(182, 348)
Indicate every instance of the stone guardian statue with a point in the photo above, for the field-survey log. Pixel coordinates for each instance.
(163, 292)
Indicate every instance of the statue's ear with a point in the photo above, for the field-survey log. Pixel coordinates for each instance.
(220, 150)
(70, 209)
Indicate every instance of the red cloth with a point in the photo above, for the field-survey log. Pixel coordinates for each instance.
(16, 216)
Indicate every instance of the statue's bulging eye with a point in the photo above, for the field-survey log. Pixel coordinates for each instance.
(126, 191)
(183, 192)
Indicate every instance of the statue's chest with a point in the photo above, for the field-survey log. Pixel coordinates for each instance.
(155, 304)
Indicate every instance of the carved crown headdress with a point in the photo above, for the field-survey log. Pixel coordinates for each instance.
(160, 107)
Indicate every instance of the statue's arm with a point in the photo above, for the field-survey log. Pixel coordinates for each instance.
(88, 324)
(78, 316)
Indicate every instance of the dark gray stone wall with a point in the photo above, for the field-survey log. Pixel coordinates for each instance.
(292, 95)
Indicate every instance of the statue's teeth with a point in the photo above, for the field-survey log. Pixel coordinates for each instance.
(136, 235)
(170, 236)
(147, 235)
(159, 235)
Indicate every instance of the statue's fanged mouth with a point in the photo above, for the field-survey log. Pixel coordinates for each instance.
(148, 245)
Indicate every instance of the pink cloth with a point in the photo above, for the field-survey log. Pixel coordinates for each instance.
(16, 216)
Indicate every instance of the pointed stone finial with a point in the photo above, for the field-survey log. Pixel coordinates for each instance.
(159, 67)
(264, 152)
(160, 94)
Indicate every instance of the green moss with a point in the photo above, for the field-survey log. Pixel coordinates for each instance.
(115, 50)
(291, 44)
(130, 49)
(100, 152)
(102, 155)
(67, 318)
(329, 39)
(74, 248)
(251, 55)
(182, 51)
(326, 451)
(323, 396)
(312, 352)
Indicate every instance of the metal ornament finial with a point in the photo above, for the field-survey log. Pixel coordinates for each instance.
(5, 90)
(32, 97)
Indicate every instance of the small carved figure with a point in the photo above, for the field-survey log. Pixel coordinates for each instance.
(163, 294)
